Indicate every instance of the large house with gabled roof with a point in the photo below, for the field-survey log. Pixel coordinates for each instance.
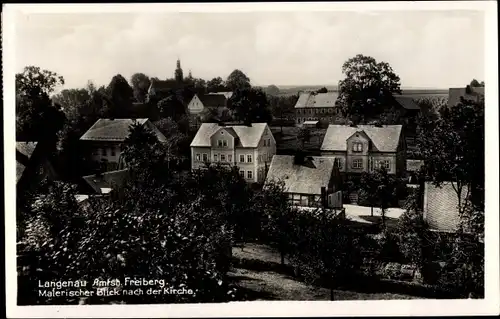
(104, 139)
(249, 147)
(364, 148)
(317, 107)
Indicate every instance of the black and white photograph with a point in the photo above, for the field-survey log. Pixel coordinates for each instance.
(192, 155)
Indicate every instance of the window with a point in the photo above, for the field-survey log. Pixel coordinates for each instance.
(337, 163)
(385, 164)
(298, 111)
(242, 174)
(216, 158)
(357, 163)
(242, 158)
(357, 147)
(205, 157)
(113, 151)
(230, 158)
(311, 111)
(264, 157)
(330, 110)
(198, 157)
(249, 174)
(224, 143)
(222, 157)
(104, 152)
(249, 158)
(219, 143)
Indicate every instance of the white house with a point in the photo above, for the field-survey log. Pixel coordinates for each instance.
(249, 147)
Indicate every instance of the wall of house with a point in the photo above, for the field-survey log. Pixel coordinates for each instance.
(374, 158)
(104, 151)
(195, 106)
(196, 164)
(264, 154)
(245, 165)
(329, 114)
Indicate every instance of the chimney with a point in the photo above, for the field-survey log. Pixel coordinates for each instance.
(324, 200)
(299, 158)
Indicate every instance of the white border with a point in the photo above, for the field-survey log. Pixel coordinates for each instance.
(315, 308)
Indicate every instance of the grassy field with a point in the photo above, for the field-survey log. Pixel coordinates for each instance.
(266, 284)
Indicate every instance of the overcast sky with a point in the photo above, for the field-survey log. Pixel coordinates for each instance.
(438, 49)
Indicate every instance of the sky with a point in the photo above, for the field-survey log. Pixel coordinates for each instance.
(427, 49)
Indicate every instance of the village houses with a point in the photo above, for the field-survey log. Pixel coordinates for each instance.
(104, 139)
(217, 103)
(309, 181)
(317, 107)
(249, 147)
(364, 148)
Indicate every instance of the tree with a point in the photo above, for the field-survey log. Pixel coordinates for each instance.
(121, 96)
(453, 150)
(177, 144)
(272, 90)
(237, 80)
(324, 248)
(179, 77)
(216, 85)
(368, 189)
(172, 106)
(274, 202)
(37, 117)
(380, 188)
(414, 239)
(367, 88)
(250, 106)
(72, 101)
(322, 90)
(304, 135)
(475, 83)
(140, 85)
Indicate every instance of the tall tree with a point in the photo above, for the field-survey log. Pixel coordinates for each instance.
(37, 118)
(179, 76)
(322, 90)
(121, 95)
(250, 106)
(72, 101)
(140, 85)
(453, 150)
(216, 85)
(272, 90)
(367, 87)
(237, 80)
(172, 106)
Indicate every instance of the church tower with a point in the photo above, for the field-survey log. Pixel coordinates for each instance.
(179, 77)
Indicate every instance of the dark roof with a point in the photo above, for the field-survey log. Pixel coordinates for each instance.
(385, 138)
(454, 94)
(213, 100)
(162, 85)
(440, 207)
(407, 102)
(248, 136)
(24, 151)
(309, 100)
(307, 178)
(107, 180)
(110, 129)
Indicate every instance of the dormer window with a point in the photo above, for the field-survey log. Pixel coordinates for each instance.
(357, 147)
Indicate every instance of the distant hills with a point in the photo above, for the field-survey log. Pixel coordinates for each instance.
(416, 92)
